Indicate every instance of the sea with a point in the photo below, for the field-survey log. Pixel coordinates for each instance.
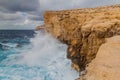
(33, 55)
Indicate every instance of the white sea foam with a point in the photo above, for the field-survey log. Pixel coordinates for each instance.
(45, 60)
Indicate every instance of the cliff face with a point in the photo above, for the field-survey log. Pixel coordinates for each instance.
(84, 30)
(106, 64)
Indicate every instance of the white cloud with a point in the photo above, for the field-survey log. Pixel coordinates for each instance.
(11, 16)
(23, 24)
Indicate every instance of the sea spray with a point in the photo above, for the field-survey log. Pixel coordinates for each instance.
(44, 59)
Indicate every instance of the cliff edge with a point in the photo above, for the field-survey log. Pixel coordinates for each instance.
(83, 30)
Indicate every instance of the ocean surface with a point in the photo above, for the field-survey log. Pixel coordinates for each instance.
(30, 55)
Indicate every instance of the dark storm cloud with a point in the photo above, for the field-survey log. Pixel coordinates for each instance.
(9, 9)
(19, 5)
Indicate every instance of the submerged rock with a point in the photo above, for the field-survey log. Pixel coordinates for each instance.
(83, 30)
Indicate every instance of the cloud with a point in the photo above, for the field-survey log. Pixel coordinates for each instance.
(19, 5)
(10, 16)
(69, 4)
(26, 24)
(15, 9)
(36, 17)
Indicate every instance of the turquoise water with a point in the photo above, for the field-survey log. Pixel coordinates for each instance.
(29, 55)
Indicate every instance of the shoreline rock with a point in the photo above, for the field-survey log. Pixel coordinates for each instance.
(106, 64)
(83, 30)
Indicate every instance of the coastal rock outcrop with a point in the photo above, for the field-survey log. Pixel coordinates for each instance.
(106, 64)
(83, 30)
(40, 27)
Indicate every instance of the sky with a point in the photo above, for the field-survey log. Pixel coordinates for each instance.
(27, 14)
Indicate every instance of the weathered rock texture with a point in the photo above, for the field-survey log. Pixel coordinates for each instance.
(83, 30)
(106, 65)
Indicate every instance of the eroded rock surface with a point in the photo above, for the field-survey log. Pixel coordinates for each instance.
(83, 30)
(106, 65)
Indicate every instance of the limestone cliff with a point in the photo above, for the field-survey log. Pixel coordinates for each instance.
(83, 30)
(106, 64)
